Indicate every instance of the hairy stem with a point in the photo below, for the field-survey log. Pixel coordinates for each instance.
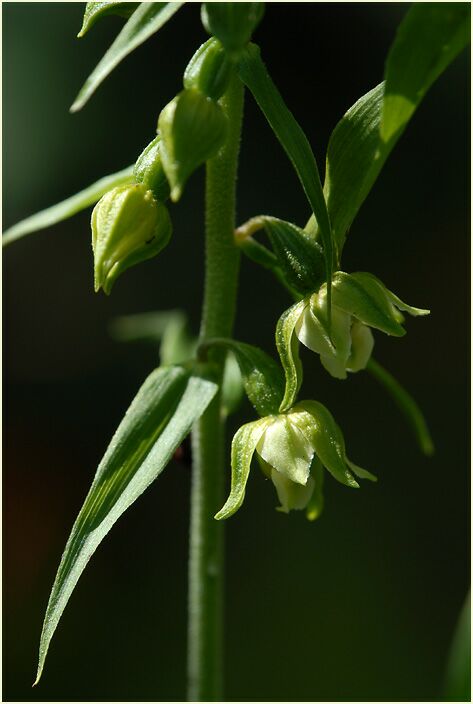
(206, 553)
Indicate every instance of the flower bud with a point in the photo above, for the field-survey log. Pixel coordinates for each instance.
(128, 227)
(192, 129)
(232, 22)
(209, 70)
(149, 170)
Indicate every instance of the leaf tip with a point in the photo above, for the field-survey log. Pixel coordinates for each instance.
(427, 446)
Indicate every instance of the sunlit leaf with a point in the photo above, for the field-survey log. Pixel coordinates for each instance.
(67, 208)
(159, 418)
(146, 20)
(94, 11)
(428, 39)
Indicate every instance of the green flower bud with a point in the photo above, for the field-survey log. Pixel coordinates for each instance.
(209, 70)
(128, 227)
(359, 301)
(232, 22)
(149, 171)
(192, 129)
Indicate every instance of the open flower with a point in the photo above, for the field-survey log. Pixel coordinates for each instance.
(292, 448)
(359, 302)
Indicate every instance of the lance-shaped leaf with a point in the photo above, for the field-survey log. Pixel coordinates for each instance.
(300, 257)
(69, 207)
(146, 20)
(328, 441)
(406, 404)
(243, 447)
(288, 348)
(292, 138)
(428, 39)
(262, 377)
(94, 11)
(159, 418)
(353, 163)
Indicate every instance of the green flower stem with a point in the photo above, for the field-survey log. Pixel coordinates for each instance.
(206, 554)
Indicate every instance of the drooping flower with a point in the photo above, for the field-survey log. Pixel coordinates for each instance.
(292, 448)
(360, 301)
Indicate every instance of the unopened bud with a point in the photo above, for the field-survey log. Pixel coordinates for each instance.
(232, 22)
(128, 226)
(192, 129)
(149, 170)
(209, 70)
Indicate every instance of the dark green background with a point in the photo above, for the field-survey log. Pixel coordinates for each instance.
(363, 603)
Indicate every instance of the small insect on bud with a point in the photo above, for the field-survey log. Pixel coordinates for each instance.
(128, 226)
(149, 170)
(192, 129)
(209, 70)
(232, 22)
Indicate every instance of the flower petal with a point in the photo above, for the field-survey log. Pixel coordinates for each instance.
(362, 343)
(287, 448)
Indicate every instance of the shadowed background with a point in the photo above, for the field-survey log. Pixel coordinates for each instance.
(359, 605)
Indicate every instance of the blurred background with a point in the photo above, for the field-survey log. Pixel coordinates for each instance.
(360, 605)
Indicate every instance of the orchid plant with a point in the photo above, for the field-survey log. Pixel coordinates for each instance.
(330, 311)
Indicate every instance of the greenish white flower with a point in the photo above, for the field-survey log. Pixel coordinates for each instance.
(128, 226)
(292, 448)
(359, 302)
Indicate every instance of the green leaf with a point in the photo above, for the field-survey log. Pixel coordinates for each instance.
(407, 405)
(288, 348)
(159, 418)
(253, 73)
(67, 208)
(262, 376)
(243, 447)
(328, 441)
(458, 676)
(96, 10)
(146, 20)
(428, 39)
(353, 163)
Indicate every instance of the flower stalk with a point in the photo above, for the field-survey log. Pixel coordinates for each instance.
(206, 550)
